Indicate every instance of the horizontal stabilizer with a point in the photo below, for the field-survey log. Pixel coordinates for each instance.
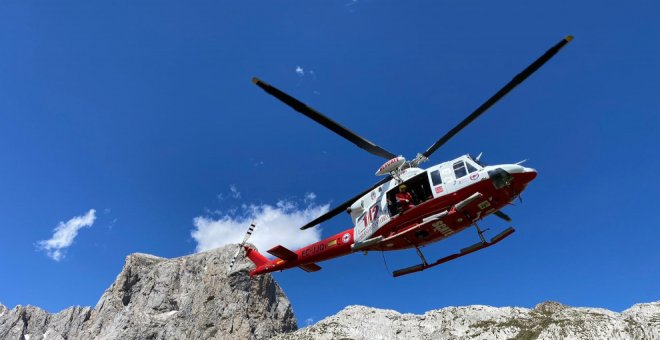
(310, 267)
(283, 253)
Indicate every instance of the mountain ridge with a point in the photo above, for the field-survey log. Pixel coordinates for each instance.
(197, 297)
(547, 320)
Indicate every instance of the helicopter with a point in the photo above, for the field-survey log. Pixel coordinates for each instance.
(410, 207)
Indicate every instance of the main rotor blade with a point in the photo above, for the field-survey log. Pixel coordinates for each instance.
(323, 120)
(501, 93)
(342, 207)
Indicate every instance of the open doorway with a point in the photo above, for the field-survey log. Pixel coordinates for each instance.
(418, 187)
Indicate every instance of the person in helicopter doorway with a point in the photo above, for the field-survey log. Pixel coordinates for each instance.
(403, 198)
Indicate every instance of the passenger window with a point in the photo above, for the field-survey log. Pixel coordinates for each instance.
(435, 178)
(470, 168)
(459, 169)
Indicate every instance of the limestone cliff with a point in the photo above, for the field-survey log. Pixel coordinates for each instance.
(191, 297)
(549, 320)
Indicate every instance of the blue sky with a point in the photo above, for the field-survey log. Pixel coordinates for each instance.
(145, 113)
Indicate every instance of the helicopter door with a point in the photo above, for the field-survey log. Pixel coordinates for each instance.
(447, 175)
(459, 171)
(452, 175)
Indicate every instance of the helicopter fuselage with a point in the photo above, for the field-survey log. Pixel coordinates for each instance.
(447, 198)
(440, 201)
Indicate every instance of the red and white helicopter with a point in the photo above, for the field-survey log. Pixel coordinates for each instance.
(446, 198)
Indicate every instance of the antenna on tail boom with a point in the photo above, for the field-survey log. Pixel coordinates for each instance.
(240, 246)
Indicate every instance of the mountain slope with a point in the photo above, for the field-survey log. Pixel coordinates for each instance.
(191, 297)
(549, 320)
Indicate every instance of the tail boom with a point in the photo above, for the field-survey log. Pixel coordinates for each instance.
(305, 258)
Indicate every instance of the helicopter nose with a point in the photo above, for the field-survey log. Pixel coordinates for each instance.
(522, 175)
(527, 175)
(531, 173)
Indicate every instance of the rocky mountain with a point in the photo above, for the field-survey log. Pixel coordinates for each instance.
(191, 297)
(196, 297)
(549, 320)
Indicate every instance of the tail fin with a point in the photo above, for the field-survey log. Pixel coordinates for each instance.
(255, 256)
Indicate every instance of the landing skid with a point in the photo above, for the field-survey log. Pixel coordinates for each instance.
(471, 249)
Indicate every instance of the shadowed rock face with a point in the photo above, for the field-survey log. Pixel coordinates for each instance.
(548, 320)
(191, 297)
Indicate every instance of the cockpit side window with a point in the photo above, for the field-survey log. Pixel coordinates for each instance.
(459, 169)
(435, 178)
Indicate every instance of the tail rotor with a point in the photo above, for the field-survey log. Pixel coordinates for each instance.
(240, 246)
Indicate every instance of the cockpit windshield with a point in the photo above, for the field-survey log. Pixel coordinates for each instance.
(464, 167)
(470, 167)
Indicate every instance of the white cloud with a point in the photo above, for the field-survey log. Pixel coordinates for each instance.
(234, 192)
(278, 224)
(300, 71)
(65, 233)
(310, 196)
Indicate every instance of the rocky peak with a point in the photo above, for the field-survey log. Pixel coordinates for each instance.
(549, 307)
(190, 297)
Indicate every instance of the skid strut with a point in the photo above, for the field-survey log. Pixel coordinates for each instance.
(481, 233)
(419, 252)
